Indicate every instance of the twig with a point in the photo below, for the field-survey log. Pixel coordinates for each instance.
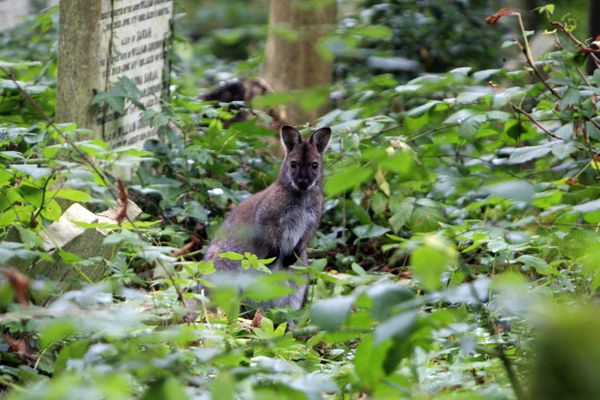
(527, 52)
(535, 122)
(574, 39)
(37, 212)
(581, 45)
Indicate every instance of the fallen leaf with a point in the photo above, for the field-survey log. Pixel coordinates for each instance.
(492, 19)
(20, 284)
(19, 348)
(123, 200)
(257, 320)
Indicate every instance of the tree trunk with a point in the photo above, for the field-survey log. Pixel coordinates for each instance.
(594, 26)
(292, 60)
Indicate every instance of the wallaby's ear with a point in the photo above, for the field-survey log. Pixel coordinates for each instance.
(320, 138)
(290, 137)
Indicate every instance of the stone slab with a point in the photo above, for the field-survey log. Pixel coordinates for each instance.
(65, 234)
(101, 41)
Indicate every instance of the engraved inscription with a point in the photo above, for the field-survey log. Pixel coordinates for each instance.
(139, 31)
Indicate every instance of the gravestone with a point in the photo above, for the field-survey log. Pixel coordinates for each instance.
(101, 41)
(12, 13)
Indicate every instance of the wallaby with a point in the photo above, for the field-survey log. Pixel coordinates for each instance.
(280, 220)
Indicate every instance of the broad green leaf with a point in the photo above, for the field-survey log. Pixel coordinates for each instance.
(32, 170)
(347, 179)
(538, 264)
(399, 326)
(426, 219)
(71, 194)
(52, 210)
(385, 296)
(223, 387)
(165, 389)
(523, 154)
(368, 362)
(402, 214)
(56, 331)
(588, 206)
(430, 260)
(400, 162)
(423, 109)
(329, 314)
(369, 231)
(516, 190)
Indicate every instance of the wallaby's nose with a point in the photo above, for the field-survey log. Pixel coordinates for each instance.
(303, 184)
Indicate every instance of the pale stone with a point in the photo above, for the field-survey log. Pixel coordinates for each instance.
(12, 13)
(66, 235)
(101, 41)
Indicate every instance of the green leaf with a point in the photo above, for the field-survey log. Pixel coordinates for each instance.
(374, 31)
(400, 162)
(71, 194)
(166, 389)
(19, 65)
(223, 387)
(399, 326)
(588, 206)
(329, 314)
(430, 260)
(516, 190)
(230, 255)
(32, 170)
(423, 108)
(52, 210)
(347, 179)
(387, 295)
(402, 214)
(426, 219)
(69, 257)
(524, 154)
(570, 97)
(72, 351)
(368, 362)
(538, 264)
(56, 331)
(369, 231)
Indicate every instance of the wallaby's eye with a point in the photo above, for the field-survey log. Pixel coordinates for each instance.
(293, 164)
(315, 165)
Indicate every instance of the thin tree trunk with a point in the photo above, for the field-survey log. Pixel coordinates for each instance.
(292, 59)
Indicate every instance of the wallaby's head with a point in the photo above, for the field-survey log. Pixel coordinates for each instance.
(302, 167)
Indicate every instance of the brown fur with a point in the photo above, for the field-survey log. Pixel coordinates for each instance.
(280, 220)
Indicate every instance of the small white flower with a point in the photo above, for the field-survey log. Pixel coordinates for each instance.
(216, 192)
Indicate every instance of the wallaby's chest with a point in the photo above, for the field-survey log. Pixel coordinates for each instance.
(294, 225)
